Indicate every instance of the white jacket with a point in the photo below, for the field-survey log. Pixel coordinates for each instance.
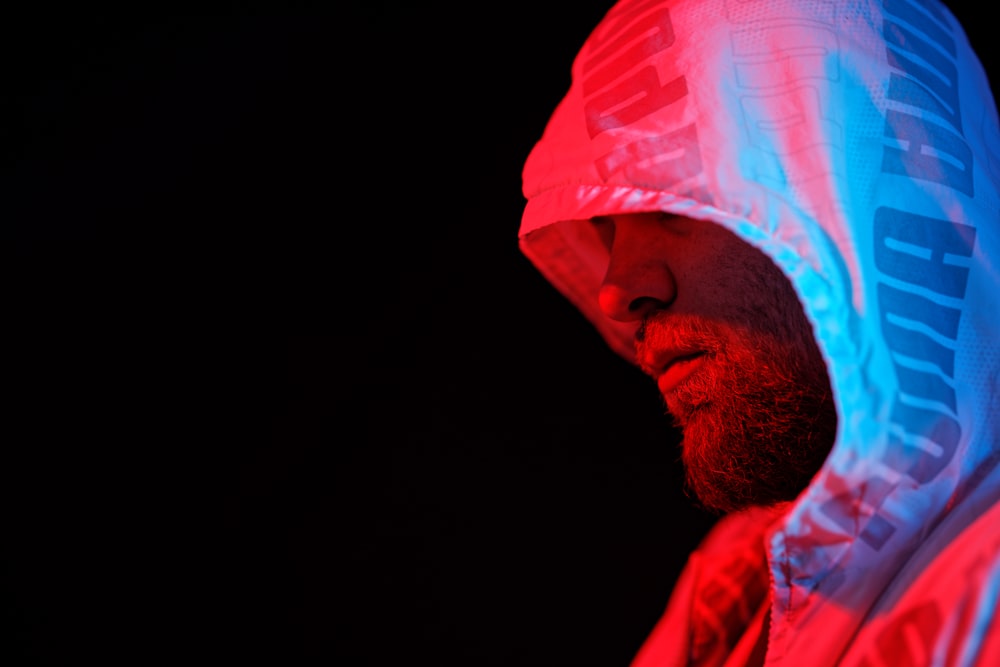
(857, 144)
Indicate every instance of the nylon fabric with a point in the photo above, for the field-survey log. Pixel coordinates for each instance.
(857, 144)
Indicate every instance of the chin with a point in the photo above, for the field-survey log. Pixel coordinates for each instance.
(740, 456)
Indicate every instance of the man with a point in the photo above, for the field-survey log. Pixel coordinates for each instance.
(786, 214)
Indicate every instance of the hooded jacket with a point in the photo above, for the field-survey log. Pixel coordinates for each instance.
(856, 144)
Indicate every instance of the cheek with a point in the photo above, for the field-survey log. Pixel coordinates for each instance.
(757, 295)
(730, 280)
(725, 279)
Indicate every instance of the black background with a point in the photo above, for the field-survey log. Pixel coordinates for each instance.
(284, 391)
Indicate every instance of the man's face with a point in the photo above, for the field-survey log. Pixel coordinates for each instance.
(722, 332)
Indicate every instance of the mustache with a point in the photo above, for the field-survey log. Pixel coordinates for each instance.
(664, 336)
(669, 331)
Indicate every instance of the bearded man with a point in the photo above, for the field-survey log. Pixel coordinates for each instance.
(785, 213)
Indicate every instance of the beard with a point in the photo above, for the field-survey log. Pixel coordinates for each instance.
(757, 416)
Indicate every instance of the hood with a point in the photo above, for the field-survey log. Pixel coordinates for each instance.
(855, 143)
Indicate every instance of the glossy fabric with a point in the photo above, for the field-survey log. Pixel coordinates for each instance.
(857, 144)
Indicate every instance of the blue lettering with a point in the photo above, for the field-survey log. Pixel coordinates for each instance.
(930, 21)
(924, 144)
(937, 238)
(915, 461)
(925, 385)
(843, 510)
(916, 90)
(918, 309)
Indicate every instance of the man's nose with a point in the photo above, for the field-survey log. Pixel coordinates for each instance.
(635, 284)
